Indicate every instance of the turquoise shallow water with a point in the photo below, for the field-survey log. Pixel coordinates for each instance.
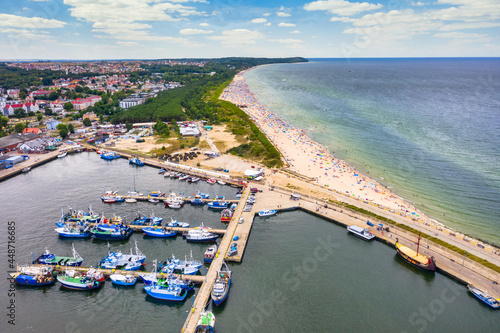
(427, 128)
(288, 281)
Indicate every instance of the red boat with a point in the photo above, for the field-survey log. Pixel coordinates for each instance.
(226, 216)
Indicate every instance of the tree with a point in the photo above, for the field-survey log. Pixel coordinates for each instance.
(63, 130)
(68, 106)
(87, 122)
(31, 113)
(19, 127)
(39, 117)
(48, 111)
(23, 95)
(101, 119)
(128, 125)
(47, 81)
(71, 128)
(19, 113)
(3, 122)
(78, 89)
(53, 96)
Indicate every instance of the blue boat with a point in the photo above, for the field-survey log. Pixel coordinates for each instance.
(136, 161)
(35, 276)
(172, 292)
(148, 220)
(120, 232)
(48, 258)
(210, 254)
(128, 262)
(123, 280)
(219, 204)
(189, 266)
(201, 236)
(221, 286)
(266, 212)
(176, 224)
(75, 231)
(159, 232)
(110, 156)
(484, 297)
(197, 202)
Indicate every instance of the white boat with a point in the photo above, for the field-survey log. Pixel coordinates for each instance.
(26, 169)
(154, 200)
(221, 182)
(62, 155)
(267, 212)
(130, 200)
(177, 224)
(201, 235)
(360, 232)
(123, 280)
(484, 297)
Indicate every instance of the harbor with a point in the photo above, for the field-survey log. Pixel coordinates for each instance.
(280, 198)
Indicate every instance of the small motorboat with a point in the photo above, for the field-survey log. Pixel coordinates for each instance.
(155, 201)
(172, 292)
(136, 161)
(206, 323)
(226, 216)
(267, 212)
(210, 254)
(360, 232)
(176, 224)
(221, 182)
(211, 181)
(24, 170)
(130, 200)
(201, 235)
(62, 155)
(123, 280)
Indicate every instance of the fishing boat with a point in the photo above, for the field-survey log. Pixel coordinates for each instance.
(267, 212)
(195, 179)
(123, 280)
(201, 235)
(202, 195)
(183, 177)
(360, 232)
(226, 216)
(148, 220)
(72, 280)
(129, 262)
(197, 202)
(484, 297)
(135, 161)
(173, 205)
(221, 286)
(153, 200)
(159, 232)
(156, 194)
(174, 201)
(172, 292)
(95, 274)
(162, 171)
(177, 224)
(210, 254)
(35, 276)
(82, 216)
(218, 205)
(189, 266)
(206, 323)
(120, 232)
(48, 258)
(183, 283)
(414, 258)
(24, 170)
(61, 155)
(74, 231)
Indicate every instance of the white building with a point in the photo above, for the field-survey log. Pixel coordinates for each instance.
(129, 102)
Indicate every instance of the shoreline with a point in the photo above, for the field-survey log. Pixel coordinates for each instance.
(345, 179)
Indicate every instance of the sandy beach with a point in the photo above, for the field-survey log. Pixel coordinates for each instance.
(309, 158)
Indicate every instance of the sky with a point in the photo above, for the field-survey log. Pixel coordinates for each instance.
(155, 29)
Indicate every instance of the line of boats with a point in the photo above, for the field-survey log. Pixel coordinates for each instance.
(188, 178)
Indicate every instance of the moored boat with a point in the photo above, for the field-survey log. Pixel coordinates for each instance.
(210, 254)
(61, 155)
(222, 284)
(110, 156)
(201, 235)
(177, 224)
(360, 232)
(48, 258)
(206, 323)
(72, 280)
(172, 292)
(159, 232)
(267, 212)
(35, 276)
(24, 170)
(123, 280)
(218, 204)
(136, 161)
(120, 232)
(226, 216)
(484, 297)
(74, 231)
(414, 258)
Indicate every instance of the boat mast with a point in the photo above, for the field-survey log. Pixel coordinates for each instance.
(418, 243)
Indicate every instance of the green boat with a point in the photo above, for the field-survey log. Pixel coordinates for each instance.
(48, 258)
(206, 323)
(73, 281)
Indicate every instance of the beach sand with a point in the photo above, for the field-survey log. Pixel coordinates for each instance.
(309, 158)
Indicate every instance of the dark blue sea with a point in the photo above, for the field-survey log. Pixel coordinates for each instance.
(429, 129)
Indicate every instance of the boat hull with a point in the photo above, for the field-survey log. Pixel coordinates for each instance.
(79, 286)
(159, 233)
(165, 297)
(202, 240)
(431, 267)
(27, 280)
(218, 300)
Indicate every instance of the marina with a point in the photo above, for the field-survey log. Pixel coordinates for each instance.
(284, 205)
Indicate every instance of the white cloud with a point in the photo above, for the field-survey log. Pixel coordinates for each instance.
(39, 0)
(29, 22)
(27, 34)
(266, 14)
(204, 24)
(419, 3)
(268, 23)
(287, 41)
(341, 7)
(237, 37)
(195, 32)
(463, 35)
(259, 20)
(126, 43)
(283, 24)
(342, 19)
(76, 33)
(283, 14)
(296, 32)
(117, 19)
